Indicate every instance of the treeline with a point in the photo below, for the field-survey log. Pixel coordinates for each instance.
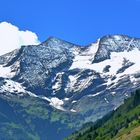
(109, 126)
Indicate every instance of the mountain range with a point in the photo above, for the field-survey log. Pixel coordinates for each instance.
(53, 88)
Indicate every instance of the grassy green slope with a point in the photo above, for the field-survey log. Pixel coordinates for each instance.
(121, 124)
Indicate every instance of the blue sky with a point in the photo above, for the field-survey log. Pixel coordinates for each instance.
(77, 21)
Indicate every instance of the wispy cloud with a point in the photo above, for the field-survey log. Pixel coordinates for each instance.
(12, 38)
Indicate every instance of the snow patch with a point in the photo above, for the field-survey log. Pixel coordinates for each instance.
(32, 94)
(84, 59)
(93, 95)
(58, 82)
(66, 99)
(72, 110)
(57, 103)
(56, 86)
(115, 61)
(74, 102)
(13, 87)
(106, 100)
(113, 93)
(6, 72)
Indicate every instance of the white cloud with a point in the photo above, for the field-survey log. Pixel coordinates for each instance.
(12, 38)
